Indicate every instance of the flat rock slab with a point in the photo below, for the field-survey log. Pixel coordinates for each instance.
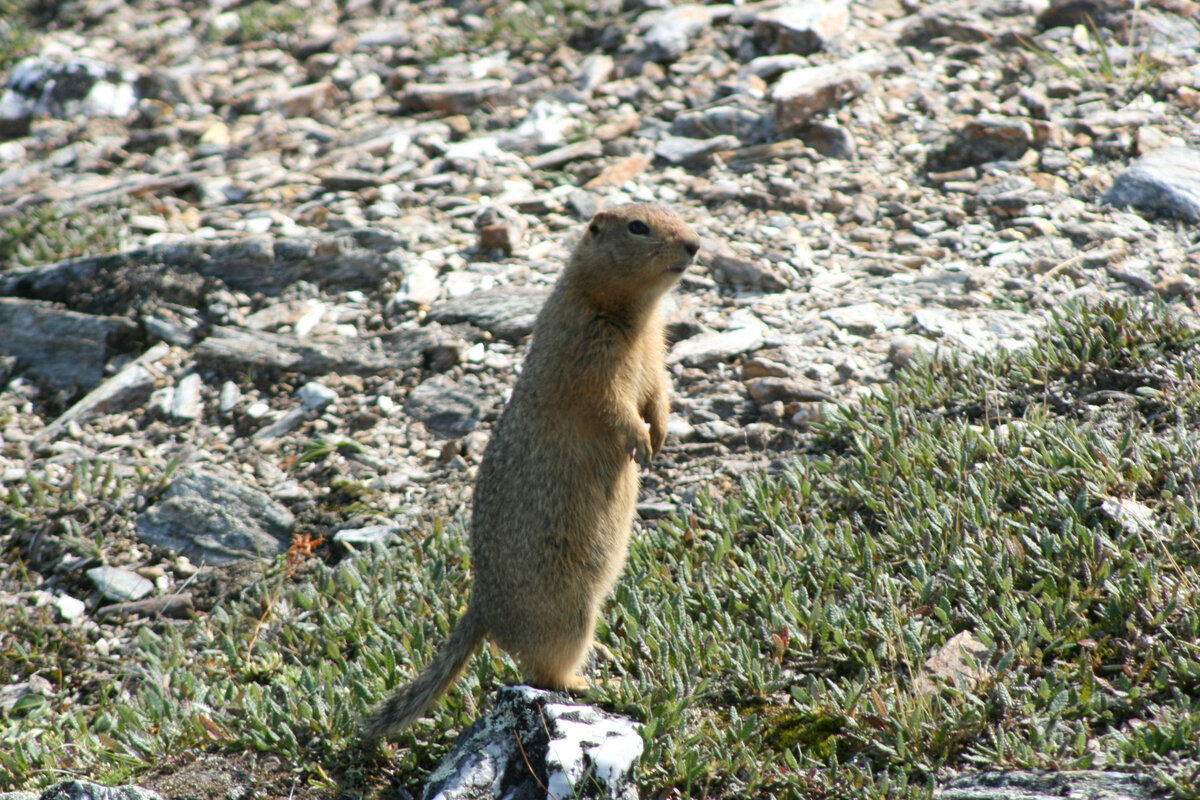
(1163, 181)
(63, 348)
(212, 518)
(506, 313)
(1071, 785)
(290, 353)
(534, 744)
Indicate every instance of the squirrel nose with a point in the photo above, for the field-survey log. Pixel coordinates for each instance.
(692, 246)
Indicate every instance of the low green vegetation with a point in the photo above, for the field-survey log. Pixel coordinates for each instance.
(44, 234)
(773, 643)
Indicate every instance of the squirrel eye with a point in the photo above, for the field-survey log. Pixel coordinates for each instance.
(638, 227)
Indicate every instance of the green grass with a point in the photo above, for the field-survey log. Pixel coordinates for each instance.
(771, 642)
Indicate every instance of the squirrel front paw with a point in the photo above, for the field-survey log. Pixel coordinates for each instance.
(639, 446)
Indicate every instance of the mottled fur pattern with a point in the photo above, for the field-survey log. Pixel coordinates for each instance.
(557, 488)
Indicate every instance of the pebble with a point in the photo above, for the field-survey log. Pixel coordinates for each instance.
(118, 584)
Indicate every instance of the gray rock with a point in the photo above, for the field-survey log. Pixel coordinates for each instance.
(80, 86)
(1070, 785)
(506, 313)
(120, 584)
(315, 396)
(132, 385)
(447, 408)
(678, 149)
(574, 751)
(668, 38)
(804, 27)
(361, 538)
(63, 348)
(186, 403)
(86, 790)
(740, 116)
(866, 318)
(1164, 181)
(213, 518)
(310, 355)
(714, 347)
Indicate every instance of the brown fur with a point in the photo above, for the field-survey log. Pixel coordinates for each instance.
(557, 487)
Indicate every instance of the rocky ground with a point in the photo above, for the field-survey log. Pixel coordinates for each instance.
(311, 238)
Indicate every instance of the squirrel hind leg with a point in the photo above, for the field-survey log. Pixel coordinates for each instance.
(559, 669)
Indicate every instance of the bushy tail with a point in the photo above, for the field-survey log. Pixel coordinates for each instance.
(406, 705)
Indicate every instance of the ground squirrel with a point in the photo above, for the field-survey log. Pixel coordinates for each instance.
(557, 487)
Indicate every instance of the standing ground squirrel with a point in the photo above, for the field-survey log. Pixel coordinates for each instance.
(558, 484)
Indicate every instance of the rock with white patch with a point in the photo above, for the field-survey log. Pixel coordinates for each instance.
(533, 744)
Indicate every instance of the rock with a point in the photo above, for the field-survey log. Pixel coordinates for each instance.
(787, 390)
(63, 348)
(120, 584)
(588, 148)
(25, 694)
(803, 27)
(186, 403)
(619, 173)
(315, 396)
(86, 790)
(371, 535)
(739, 116)
(978, 140)
(1165, 182)
(668, 38)
(213, 518)
(533, 744)
(677, 149)
(801, 94)
(171, 606)
(713, 347)
(506, 313)
(64, 89)
(447, 408)
(128, 388)
(865, 319)
(980, 331)
(461, 97)
(287, 353)
(305, 101)
(1066, 785)
(501, 228)
(956, 663)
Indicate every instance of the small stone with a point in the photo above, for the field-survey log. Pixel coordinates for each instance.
(315, 396)
(458, 98)
(866, 319)
(120, 584)
(803, 27)
(1164, 182)
(669, 37)
(372, 535)
(801, 94)
(678, 149)
(714, 347)
(228, 398)
(70, 608)
(447, 408)
(306, 101)
(186, 403)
